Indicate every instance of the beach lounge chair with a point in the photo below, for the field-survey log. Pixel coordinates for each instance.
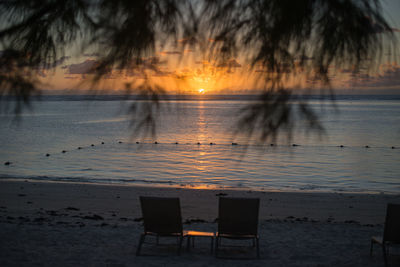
(391, 231)
(162, 218)
(238, 219)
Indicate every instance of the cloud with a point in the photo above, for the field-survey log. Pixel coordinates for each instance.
(136, 68)
(305, 58)
(42, 69)
(41, 73)
(232, 63)
(60, 61)
(202, 62)
(86, 67)
(12, 59)
(161, 73)
(188, 41)
(151, 62)
(350, 70)
(389, 77)
(182, 75)
(164, 53)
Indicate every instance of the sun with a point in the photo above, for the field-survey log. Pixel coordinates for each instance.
(201, 91)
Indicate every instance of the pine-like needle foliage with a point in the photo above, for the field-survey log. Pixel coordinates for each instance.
(282, 37)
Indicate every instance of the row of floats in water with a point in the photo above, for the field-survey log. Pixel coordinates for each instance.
(177, 143)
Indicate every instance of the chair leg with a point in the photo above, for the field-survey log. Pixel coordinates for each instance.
(141, 240)
(384, 254)
(180, 239)
(371, 248)
(258, 248)
(216, 246)
(188, 243)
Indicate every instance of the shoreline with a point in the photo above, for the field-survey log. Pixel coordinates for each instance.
(29, 196)
(167, 185)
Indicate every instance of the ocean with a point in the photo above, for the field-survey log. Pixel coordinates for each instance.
(92, 141)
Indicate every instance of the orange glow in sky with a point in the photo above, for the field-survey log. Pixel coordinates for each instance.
(185, 67)
(187, 72)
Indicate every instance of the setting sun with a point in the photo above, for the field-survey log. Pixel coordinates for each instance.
(201, 91)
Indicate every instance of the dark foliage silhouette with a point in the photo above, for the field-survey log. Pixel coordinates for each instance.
(283, 38)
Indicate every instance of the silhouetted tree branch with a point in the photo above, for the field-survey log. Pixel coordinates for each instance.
(283, 37)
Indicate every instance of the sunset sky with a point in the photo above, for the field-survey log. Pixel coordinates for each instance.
(190, 72)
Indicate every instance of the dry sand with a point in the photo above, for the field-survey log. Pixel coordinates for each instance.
(64, 224)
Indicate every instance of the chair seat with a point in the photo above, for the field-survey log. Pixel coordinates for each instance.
(237, 236)
(198, 233)
(164, 234)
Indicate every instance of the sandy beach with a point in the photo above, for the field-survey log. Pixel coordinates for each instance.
(67, 224)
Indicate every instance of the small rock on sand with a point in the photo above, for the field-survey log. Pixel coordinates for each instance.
(71, 208)
(93, 217)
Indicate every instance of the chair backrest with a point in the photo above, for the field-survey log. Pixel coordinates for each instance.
(161, 215)
(391, 232)
(238, 216)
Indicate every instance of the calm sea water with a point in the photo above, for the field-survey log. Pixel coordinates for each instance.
(317, 164)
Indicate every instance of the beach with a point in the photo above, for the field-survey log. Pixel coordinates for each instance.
(67, 224)
(112, 110)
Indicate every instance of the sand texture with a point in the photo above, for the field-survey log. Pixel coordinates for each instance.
(63, 224)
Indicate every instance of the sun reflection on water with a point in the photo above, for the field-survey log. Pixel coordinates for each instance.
(200, 164)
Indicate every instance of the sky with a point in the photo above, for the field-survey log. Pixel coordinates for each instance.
(189, 72)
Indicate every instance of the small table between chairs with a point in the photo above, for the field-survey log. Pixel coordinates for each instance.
(192, 234)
